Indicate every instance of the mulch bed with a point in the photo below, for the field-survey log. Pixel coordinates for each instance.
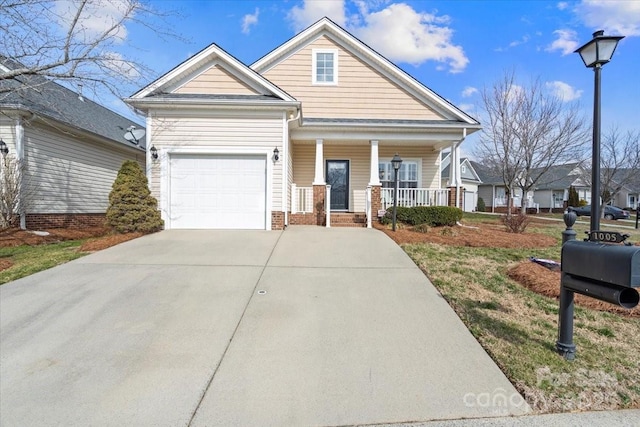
(483, 235)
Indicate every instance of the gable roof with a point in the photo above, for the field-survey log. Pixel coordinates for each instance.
(486, 175)
(559, 177)
(445, 171)
(328, 28)
(204, 59)
(48, 99)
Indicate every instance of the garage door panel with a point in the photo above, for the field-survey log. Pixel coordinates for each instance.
(210, 191)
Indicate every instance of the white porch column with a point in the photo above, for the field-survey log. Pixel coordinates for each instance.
(453, 159)
(458, 177)
(319, 176)
(374, 177)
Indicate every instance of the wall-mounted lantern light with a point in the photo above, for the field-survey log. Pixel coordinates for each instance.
(3, 148)
(154, 152)
(276, 154)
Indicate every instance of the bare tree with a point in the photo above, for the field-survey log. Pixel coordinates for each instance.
(12, 199)
(619, 162)
(75, 41)
(529, 131)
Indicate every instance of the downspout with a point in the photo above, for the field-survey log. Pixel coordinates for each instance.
(457, 158)
(285, 166)
(19, 146)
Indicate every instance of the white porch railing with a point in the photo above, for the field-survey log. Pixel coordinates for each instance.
(409, 197)
(502, 202)
(301, 199)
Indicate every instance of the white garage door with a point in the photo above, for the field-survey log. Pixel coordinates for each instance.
(218, 191)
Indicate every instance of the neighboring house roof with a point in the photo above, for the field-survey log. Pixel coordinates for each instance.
(50, 100)
(469, 175)
(486, 175)
(328, 28)
(633, 183)
(561, 177)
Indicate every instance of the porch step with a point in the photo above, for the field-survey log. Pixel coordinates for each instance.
(348, 219)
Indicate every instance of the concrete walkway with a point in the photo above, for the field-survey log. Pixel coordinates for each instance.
(310, 326)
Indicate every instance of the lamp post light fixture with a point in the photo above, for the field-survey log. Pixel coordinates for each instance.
(595, 53)
(276, 154)
(395, 162)
(154, 152)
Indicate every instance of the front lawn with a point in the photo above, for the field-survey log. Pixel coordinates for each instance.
(518, 327)
(23, 253)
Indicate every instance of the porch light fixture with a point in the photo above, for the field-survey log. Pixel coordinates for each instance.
(276, 154)
(595, 53)
(154, 152)
(4, 149)
(395, 162)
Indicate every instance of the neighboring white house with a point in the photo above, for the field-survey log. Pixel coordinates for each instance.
(469, 181)
(257, 146)
(552, 190)
(70, 150)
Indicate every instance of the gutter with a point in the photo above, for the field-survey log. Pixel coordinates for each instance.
(285, 167)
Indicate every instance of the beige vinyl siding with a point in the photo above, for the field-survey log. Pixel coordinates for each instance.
(361, 92)
(359, 165)
(215, 81)
(210, 131)
(70, 174)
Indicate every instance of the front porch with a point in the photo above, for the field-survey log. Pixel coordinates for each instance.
(311, 205)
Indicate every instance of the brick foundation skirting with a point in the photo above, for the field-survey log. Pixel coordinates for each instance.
(277, 220)
(302, 219)
(43, 221)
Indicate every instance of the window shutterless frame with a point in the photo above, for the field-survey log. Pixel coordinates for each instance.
(324, 70)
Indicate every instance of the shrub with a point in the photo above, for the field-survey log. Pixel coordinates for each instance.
(481, 206)
(582, 203)
(515, 223)
(574, 199)
(131, 205)
(431, 215)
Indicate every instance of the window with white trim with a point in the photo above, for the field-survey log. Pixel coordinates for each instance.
(463, 169)
(325, 66)
(407, 175)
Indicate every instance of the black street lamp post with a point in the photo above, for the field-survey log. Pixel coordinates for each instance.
(395, 162)
(595, 53)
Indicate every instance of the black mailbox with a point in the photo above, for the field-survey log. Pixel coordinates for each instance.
(603, 271)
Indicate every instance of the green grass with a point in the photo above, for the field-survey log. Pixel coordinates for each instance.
(28, 260)
(518, 328)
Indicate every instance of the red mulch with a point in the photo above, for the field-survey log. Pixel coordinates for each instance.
(482, 235)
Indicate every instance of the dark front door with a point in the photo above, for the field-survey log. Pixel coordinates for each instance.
(338, 179)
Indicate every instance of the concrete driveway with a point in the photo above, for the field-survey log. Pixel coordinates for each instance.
(310, 326)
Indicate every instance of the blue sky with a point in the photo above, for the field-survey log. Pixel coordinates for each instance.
(455, 48)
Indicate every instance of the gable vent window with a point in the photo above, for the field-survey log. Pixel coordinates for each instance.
(325, 67)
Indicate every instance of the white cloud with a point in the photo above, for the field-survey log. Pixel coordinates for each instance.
(402, 34)
(563, 5)
(469, 91)
(398, 32)
(523, 40)
(114, 62)
(311, 11)
(613, 16)
(249, 20)
(566, 42)
(563, 91)
(97, 17)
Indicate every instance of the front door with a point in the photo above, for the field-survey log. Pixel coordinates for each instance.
(338, 178)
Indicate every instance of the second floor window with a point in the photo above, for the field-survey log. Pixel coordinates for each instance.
(325, 67)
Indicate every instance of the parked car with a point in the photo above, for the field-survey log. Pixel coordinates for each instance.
(610, 212)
